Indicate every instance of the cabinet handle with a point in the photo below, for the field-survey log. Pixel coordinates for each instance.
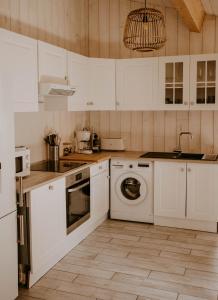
(100, 167)
(192, 103)
(89, 103)
(182, 169)
(189, 169)
(117, 103)
(185, 103)
(51, 187)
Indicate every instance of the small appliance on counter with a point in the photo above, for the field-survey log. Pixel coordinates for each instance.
(22, 161)
(83, 141)
(95, 142)
(112, 144)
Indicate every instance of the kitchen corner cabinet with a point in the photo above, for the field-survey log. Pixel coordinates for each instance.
(204, 79)
(186, 191)
(136, 83)
(48, 226)
(99, 184)
(174, 82)
(170, 189)
(78, 78)
(101, 84)
(19, 60)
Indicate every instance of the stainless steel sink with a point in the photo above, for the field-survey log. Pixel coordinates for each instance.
(173, 155)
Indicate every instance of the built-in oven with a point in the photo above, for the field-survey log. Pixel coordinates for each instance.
(77, 199)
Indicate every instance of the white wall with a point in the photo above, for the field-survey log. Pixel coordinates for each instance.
(30, 129)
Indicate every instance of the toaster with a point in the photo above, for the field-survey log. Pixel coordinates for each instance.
(112, 144)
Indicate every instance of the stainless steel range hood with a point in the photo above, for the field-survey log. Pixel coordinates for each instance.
(55, 89)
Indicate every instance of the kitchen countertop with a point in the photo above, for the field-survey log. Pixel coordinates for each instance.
(38, 178)
(104, 155)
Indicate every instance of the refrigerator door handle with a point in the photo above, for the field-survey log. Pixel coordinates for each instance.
(21, 230)
(0, 177)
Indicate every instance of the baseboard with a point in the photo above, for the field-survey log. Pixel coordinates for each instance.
(186, 224)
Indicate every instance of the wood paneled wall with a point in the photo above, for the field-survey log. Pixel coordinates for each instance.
(152, 130)
(60, 22)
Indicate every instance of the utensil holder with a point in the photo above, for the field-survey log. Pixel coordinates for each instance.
(53, 153)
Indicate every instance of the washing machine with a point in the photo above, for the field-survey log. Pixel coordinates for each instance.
(132, 190)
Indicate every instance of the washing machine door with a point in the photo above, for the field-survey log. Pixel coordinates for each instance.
(131, 188)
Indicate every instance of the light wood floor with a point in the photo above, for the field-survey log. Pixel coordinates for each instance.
(127, 261)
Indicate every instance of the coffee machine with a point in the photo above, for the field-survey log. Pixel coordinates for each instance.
(83, 141)
(95, 142)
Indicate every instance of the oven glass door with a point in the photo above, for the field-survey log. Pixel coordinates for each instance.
(78, 204)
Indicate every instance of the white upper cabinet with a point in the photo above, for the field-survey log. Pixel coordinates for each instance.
(20, 59)
(204, 79)
(174, 82)
(101, 80)
(202, 192)
(137, 83)
(52, 63)
(78, 78)
(170, 189)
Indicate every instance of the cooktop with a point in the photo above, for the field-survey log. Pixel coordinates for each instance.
(56, 166)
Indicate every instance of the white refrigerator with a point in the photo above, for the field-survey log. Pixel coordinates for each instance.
(8, 208)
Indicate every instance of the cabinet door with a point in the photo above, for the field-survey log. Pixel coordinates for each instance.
(170, 189)
(204, 77)
(101, 77)
(47, 223)
(99, 195)
(52, 63)
(7, 148)
(78, 78)
(174, 82)
(202, 192)
(8, 257)
(136, 83)
(19, 58)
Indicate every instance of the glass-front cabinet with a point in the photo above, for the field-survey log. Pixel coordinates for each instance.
(203, 86)
(174, 82)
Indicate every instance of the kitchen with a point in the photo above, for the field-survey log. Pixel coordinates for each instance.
(123, 97)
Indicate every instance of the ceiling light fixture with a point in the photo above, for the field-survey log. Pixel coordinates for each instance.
(144, 30)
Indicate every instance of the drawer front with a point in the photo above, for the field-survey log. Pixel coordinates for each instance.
(99, 167)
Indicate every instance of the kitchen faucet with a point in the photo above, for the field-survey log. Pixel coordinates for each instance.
(178, 148)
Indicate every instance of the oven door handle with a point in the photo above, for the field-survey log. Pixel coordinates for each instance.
(78, 188)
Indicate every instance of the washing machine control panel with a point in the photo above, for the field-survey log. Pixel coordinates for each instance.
(143, 165)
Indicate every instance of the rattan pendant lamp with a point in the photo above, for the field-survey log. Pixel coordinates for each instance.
(144, 30)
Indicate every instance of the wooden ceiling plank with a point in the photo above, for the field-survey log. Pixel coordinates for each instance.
(207, 6)
(214, 5)
(192, 13)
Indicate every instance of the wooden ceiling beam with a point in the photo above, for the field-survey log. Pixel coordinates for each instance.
(192, 13)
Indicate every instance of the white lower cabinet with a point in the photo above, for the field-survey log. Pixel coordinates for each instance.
(170, 189)
(202, 192)
(48, 227)
(99, 191)
(186, 191)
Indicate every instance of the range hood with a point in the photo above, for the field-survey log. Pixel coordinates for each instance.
(55, 89)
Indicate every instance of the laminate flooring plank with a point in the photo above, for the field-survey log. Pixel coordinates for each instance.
(128, 288)
(69, 264)
(153, 263)
(152, 245)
